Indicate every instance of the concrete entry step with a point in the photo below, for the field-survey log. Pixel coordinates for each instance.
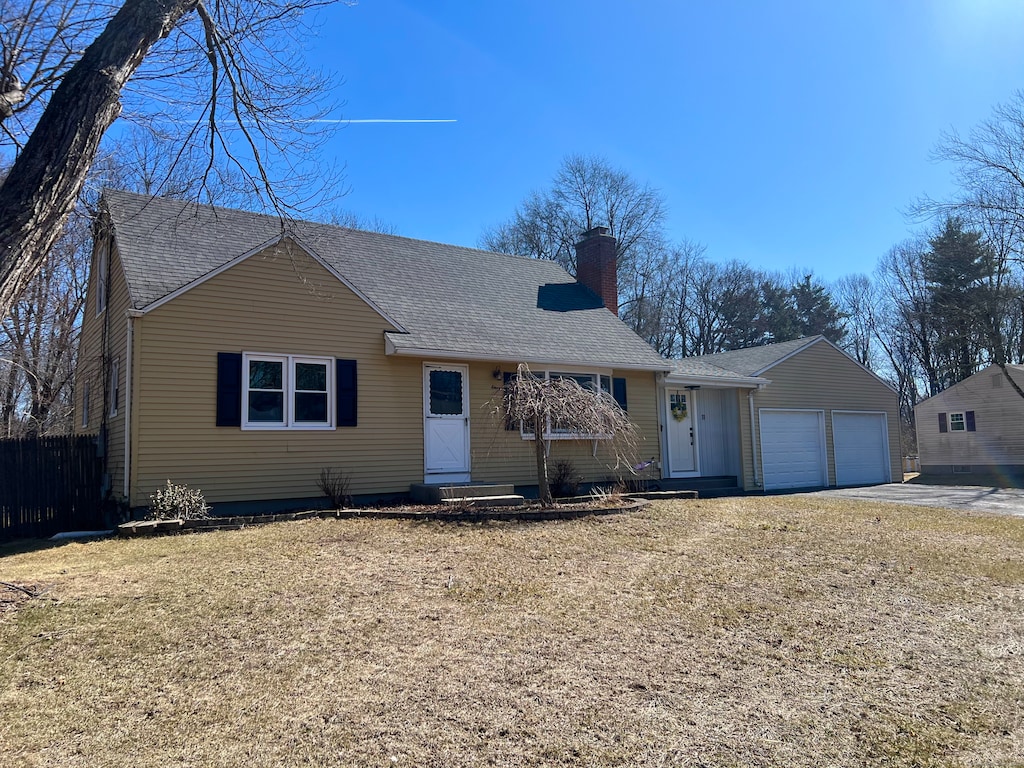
(504, 500)
(435, 493)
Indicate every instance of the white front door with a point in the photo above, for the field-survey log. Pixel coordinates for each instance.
(682, 442)
(446, 423)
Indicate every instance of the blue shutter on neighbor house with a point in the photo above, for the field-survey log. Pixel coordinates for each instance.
(229, 389)
(346, 392)
(619, 392)
(969, 418)
(942, 423)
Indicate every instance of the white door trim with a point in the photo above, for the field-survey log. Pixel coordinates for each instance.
(691, 396)
(460, 472)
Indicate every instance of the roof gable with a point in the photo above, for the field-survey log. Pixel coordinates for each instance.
(973, 386)
(444, 298)
(757, 361)
(285, 239)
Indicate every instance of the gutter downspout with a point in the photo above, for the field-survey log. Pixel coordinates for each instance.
(753, 437)
(131, 314)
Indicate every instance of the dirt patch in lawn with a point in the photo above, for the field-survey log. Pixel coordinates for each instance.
(747, 631)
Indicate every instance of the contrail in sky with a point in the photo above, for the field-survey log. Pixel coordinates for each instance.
(381, 120)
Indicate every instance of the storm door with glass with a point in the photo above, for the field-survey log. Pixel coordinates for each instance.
(446, 423)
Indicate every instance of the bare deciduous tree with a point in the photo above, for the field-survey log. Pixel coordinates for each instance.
(222, 75)
(560, 402)
(585, 192)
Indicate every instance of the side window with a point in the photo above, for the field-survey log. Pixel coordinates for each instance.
(85, 405)
(102, 265)
(115, 386)
(957, 422)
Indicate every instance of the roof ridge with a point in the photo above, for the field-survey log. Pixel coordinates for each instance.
(270, 217)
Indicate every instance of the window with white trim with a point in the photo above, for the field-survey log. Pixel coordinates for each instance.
(102, 263)
(85, 405)
(287, 392)
(115, 385)
(957, 422)
(588, 380)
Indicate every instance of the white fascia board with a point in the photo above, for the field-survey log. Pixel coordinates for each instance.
(837, 349)
(259, 249)
(739, 382)
(444, 354)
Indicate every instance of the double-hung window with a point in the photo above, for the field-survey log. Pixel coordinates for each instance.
(593, 382)
(587, 381)
(287, 392)
(957, 423)
(102, 267)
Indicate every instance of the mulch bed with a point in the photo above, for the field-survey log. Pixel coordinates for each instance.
(447, 512)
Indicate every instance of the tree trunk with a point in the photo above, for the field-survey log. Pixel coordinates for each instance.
(543, 487)
(41, 189)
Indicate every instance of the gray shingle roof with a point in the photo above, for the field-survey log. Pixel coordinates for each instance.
(450, 299)
(744, 362)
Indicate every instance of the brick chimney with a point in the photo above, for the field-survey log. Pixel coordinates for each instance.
(595, 266)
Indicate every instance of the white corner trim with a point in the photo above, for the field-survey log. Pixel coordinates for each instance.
(259, 249)
(129, 341)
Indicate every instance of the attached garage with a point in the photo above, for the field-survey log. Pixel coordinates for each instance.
(803, 414)
(793, 449)
(861, 443)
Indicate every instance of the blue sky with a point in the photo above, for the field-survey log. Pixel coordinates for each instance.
(783, 134)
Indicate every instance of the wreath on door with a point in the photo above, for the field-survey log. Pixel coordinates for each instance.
(678, 411)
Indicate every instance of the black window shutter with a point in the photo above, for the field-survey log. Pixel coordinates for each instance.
(619, 392)
(229, 389)
(969, 416)
(942, 423)
(346, 392)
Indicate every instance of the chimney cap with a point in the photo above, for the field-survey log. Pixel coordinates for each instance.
(599, 231)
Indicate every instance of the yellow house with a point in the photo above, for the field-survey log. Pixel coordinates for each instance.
(242, 355)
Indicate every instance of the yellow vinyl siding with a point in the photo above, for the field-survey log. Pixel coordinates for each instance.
(500, 455)
(274, 303)
(102, 341)
(819, 378)
(999, 416)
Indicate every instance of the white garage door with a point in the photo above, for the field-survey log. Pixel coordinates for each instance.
(793, 449)
(861, 448)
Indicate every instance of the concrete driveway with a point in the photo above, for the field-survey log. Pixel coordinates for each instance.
(974, 498)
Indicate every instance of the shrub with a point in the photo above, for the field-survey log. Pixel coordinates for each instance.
(334, 484)
(174, 502)
(566, 480)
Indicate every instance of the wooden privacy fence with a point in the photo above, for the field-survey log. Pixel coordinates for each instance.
(48, 485)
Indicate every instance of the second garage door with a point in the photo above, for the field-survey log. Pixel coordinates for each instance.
(861, 448)
(793, 449)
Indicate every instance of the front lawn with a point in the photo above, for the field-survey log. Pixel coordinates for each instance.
(777, 631)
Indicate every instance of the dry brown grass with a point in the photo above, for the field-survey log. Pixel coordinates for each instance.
(780, 631)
